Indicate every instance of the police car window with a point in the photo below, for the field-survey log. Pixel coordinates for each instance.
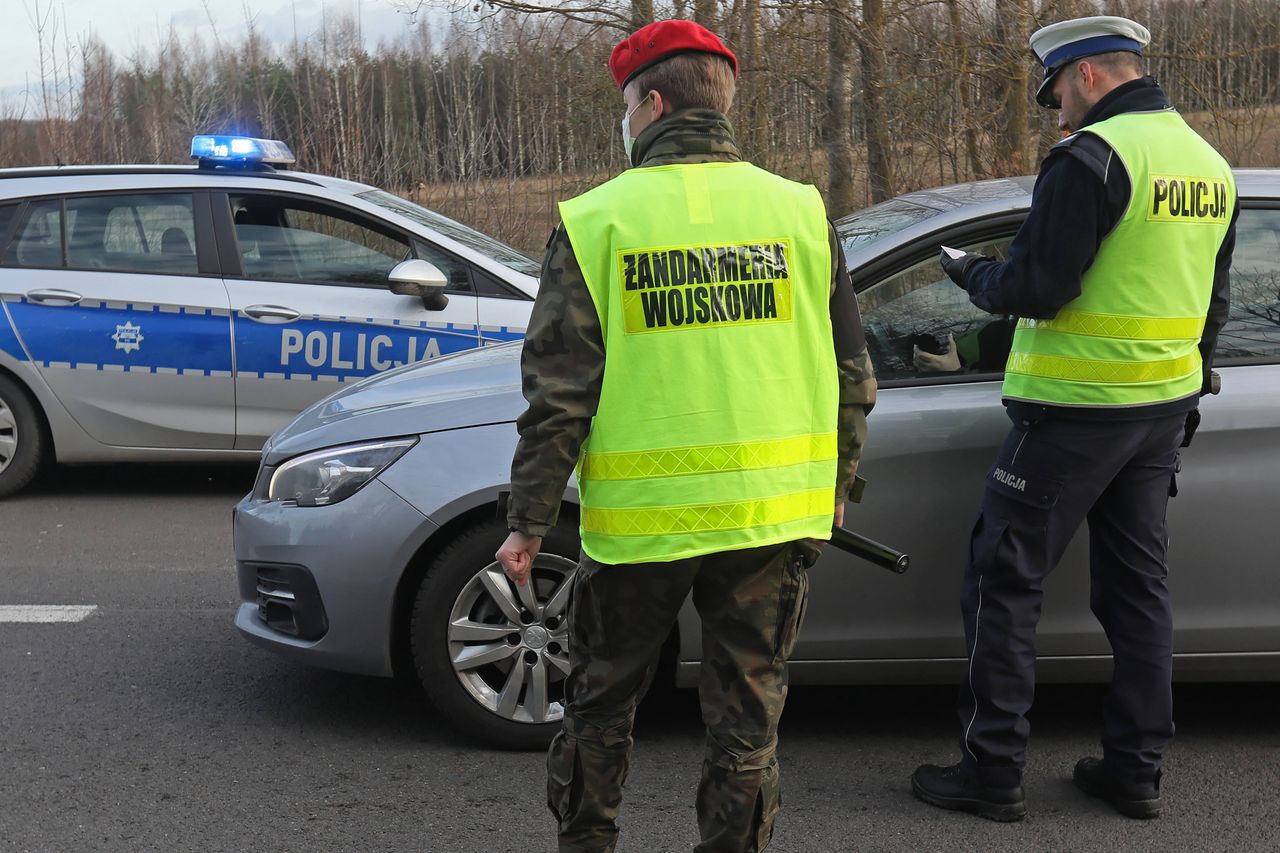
(7, 214)
(284, 239)
(1252, 330)
(454, 270)
(38, 241)
(488, 285)
(469, 237)
(152, 233)
(920, 307)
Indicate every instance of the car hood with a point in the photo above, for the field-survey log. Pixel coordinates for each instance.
(469, 389)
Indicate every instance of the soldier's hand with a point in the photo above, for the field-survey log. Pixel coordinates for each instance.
(839, 521)
(516, 556)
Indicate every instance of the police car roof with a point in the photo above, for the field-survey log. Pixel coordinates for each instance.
(186, 171)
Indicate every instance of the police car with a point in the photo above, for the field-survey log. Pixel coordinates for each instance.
(187, 312)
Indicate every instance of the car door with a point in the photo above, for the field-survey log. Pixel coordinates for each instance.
(118, 300)
(311, 305)
(503, 310)
(933, 437)
(1223, 538)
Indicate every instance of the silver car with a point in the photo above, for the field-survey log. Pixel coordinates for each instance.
(367, 544)
(187, 312)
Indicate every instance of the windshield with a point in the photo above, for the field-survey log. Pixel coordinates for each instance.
(879, 221)
(482, 243)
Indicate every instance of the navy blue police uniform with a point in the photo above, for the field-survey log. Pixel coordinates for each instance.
(1113, 468)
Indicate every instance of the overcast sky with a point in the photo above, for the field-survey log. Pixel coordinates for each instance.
(144, 21)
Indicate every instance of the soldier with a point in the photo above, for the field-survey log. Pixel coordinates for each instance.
(697, 338)
(1120, 276)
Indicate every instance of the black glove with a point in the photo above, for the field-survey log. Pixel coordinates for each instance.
(1193, 423)
(955, 268)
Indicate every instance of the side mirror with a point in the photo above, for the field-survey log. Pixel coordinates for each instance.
(422, 279)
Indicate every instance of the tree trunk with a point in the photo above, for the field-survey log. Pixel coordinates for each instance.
(705, 12)
(1013, 21)
(641, 13)
(879, 145)
(836, 128)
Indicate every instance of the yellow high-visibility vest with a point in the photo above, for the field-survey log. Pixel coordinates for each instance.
(1132, 336)
(716, 428)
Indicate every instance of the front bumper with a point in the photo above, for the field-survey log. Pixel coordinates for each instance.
(353, 553)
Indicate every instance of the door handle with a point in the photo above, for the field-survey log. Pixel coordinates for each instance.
(54, 296)
(271, 313)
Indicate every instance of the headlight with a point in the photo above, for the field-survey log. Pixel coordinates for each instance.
(328, 476)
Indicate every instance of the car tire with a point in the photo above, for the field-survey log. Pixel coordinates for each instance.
(457, 621)
(23, 440)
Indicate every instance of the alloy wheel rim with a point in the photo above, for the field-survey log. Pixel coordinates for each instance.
(509, 645)
(8, 435)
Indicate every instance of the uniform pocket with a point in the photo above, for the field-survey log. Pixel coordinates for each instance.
(562, 776)
(793, 601)
(588, 629)
(768, 804)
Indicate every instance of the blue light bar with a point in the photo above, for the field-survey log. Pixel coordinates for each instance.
(236, 150)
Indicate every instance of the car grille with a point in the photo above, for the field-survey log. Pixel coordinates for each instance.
(288, 599)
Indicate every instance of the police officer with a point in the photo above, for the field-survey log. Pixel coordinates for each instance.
(696, 349)
(1120, 277)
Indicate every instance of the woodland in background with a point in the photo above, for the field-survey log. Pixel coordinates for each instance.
(509, 107)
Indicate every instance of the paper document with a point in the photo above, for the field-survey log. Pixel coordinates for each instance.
(953, 253)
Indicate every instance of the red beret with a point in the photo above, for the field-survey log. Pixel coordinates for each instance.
(654, 43)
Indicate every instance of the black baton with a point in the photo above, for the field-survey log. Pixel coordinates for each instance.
(870, 550)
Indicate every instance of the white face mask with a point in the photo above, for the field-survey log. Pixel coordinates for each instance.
(629, 141)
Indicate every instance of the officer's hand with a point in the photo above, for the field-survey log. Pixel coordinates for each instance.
(516, 556)
(839, 521)
(927, 362)
(955, 268)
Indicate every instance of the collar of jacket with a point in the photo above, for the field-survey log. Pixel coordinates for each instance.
(1143, 95)
(686, 136)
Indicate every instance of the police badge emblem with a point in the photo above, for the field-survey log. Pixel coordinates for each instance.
(128, 337)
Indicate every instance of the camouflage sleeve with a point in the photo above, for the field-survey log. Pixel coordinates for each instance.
(562, 368)
(857, 376)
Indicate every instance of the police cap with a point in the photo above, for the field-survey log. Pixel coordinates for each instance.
(1060, 44)
(661, 40)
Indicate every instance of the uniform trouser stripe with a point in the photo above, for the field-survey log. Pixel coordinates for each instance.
(1115, 474)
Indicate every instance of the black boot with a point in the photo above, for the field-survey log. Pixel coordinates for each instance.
(951, 788)
(1136, 799)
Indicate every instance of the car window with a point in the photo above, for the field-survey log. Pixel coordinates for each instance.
(454, 270)
(920, 307)
(284, 239)
(488, 285)
(469, 237)
(7, 214)
(152, 233)
(38, 240)
(1252, 330)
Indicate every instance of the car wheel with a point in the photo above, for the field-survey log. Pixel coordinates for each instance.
(492, 656)
(22, 438)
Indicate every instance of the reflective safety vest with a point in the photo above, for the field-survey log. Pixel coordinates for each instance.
(716, 424)
(1132, 336)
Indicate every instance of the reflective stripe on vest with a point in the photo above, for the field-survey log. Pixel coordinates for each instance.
(1131, 338)
(708, 458)
(704, 518)
(715, 429)
(1119, 326)
(1094, 370)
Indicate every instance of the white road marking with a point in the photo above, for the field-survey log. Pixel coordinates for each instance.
(45, 612)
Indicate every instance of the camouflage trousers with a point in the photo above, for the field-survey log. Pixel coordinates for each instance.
(751, 603)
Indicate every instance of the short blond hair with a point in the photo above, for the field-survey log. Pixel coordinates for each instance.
(689, 80)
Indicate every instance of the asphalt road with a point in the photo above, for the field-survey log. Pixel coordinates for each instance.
(150, 725)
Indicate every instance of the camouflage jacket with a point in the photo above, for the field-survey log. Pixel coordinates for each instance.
(562, 364)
